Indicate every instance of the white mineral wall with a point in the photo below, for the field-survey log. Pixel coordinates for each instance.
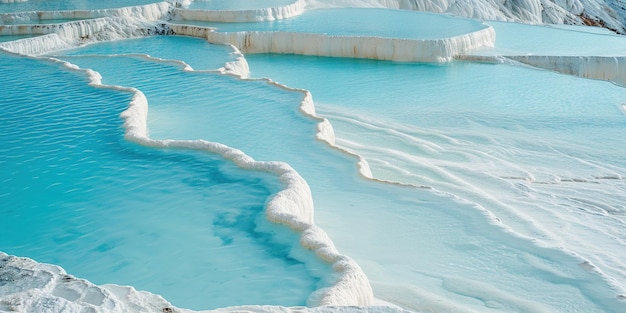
(39, 287)
(609, 12)
(149, 12)
(74, 29)
(392, 49)
(120, 23)
(59, 36)
(291, 207)
(32, 46)
(604, 68)
(190, 30)
(258, 15)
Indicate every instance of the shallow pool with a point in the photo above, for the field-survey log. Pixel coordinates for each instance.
(237, 4)
(363, 22)
(181, 224)
(66, 5)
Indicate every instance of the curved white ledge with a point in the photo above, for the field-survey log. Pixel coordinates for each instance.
(190, 30)
(354, 33)
(292, 206)
(576, 12)
(392, 49)
(596, 67)
(607, 68)
(37, 287)
(150, 12)
(116, 24)
(254, 15)
(75, 28)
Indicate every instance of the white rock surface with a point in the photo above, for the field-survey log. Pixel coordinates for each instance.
(29, 286)
(610, 13)
(256, 15)
(603, 68)
(99, 25)
(404, 50)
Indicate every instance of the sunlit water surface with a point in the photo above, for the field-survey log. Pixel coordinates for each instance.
(506, 154)
(197, 53)
(11, 38)
(237, 4)
(362, 22)
(513, 39)
(447, 243)
(181, 224)
(40, 22)
(63, 5)
(541, 152)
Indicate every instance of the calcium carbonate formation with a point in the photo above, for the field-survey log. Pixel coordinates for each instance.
(171, 17)
(378, 48)
(607, 13)
(31, 286)
(256, 15)
(595, 67)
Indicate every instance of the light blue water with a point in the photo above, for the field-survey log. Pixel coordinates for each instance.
(62, 5)
(181, 101)
(440, 247)
(40, 22)
(511, 40)
(11, 38)
(501, 148)
(541, 151)
(177, 223)
(197, 53)
(237, 4)
(362, 22)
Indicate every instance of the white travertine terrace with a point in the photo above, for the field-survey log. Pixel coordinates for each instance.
(255, 15)
(424, 45)
(150, 12)
(595, 67)
(99, 25)
(39, 287)
(611, 69)
(292, 207)
(379, 48)
(179, 28)
(35, 286)
(603, 12)
(78, 29)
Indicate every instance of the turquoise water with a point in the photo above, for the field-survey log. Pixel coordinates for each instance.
(535, 149)
(555, 41)
(40, 22)
(197, 53)
(214, 103)
(11, 38)
(363, 22)
(469, 258)
(62, 5)
(504, 184)
(180, 224)
(237, 4)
